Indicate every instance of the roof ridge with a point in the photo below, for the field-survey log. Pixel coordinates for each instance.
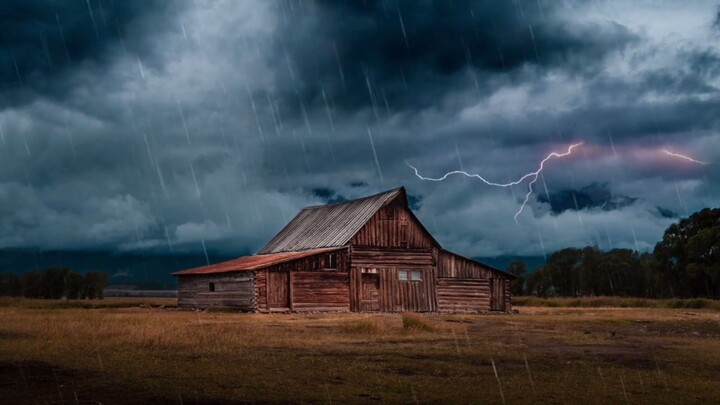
(329, 224)
(392, 190)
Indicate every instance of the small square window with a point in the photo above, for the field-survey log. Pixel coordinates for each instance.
(402, 275)
(416, 276)
(212, 287)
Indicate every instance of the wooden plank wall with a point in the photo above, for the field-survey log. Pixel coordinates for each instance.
(387, 226)
(311, 286)
(374, 257)
(396, 295)
(261, 290)
(454, 266)
(233, 290)
(464, 285)
(457, 295)
(508, 292)
(318, 291)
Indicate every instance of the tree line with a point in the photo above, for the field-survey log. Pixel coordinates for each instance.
(684, 264)
(54, 284)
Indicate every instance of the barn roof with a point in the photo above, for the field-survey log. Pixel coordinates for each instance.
(329, 225)
(255, 262)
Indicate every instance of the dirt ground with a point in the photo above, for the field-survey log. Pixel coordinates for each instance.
(149, 354)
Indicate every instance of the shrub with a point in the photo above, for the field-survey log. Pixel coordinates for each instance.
(415, 322)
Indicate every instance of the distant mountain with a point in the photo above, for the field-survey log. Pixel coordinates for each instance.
(144, 271)
(593, 196)
(151, 271)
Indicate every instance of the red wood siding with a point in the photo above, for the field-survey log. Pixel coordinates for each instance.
(394, 295)
(317, 291)
(307, 284)
(374, 257)
(393, 226)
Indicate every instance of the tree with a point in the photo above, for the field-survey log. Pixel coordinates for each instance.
(688, 255)
(539, 283)
(32, 284)
(95, 283)
(10, 285)
(75, 286)
(624, 272)
(517, 269)
(562, 271)
(54, 283)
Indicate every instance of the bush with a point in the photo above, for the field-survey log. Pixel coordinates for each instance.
(415, 322)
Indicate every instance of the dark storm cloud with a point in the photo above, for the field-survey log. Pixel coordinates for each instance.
(40, 40)
(407, 54)
(204, 126)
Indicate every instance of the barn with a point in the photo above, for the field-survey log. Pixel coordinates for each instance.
(363, 255)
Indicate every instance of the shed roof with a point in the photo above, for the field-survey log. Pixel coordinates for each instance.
(329, 225)
(489, 267)
(255, 262)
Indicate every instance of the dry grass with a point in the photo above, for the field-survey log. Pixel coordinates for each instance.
(152, 354)
(414, 322)
(620, 302)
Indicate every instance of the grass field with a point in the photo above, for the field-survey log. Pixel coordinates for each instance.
(130, 351)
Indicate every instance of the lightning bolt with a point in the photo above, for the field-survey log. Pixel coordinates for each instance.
(534, 175)
(688, 158)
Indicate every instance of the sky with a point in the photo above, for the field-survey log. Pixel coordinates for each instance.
(185, 126)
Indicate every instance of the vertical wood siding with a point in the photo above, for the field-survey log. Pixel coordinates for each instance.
(393, 295)
(306, 283)
(233, 290)
(454, 266)
(393, 226)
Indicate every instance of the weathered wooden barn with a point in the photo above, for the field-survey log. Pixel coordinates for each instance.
(368, 254)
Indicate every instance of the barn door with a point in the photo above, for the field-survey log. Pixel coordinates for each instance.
(370, 298)
(278, 289)
(497, 294)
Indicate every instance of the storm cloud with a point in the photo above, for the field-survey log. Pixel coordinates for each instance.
(405, 55)
(193, 126)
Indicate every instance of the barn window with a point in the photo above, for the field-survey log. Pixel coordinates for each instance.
(402, 275)
(331, 261)
(404, 234)
(212, 287)
(416, 276)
